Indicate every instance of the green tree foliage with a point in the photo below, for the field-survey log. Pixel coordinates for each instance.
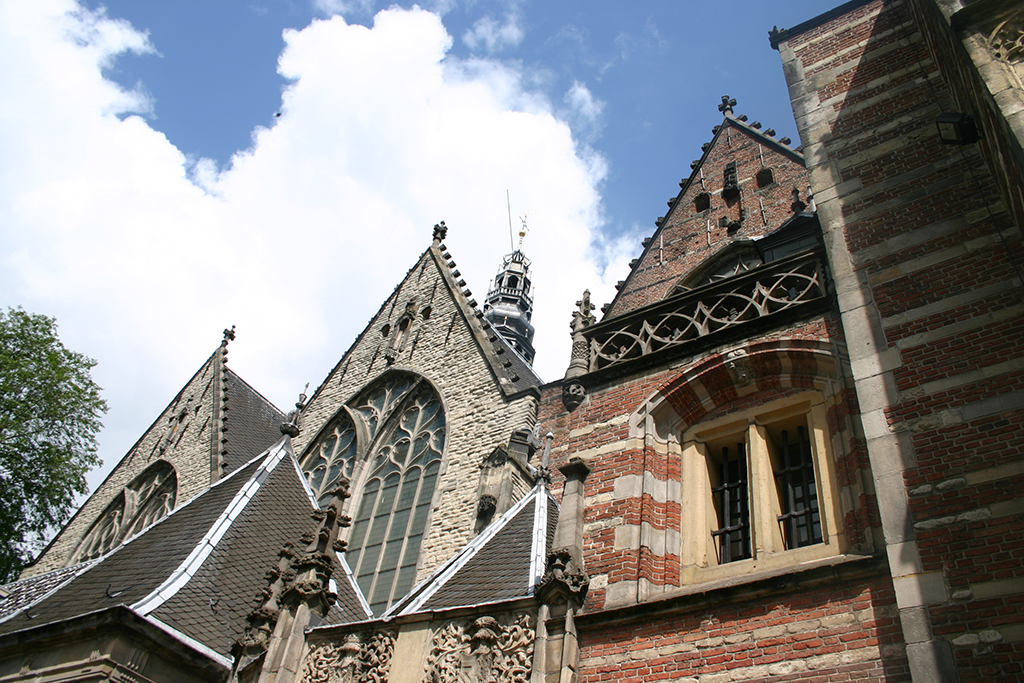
(50, 411)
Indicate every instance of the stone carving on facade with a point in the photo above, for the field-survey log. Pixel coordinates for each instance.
(482, 650)
(765, 291)
(1006, 40)
(358, 658)
(740, 368)
(563, 580)
(298, 577)
(573, 392)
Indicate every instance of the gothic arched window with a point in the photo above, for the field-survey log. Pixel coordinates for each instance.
(148, 498)
(388, 443)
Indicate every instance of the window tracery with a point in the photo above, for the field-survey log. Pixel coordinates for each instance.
(389, 443)
(147, 499)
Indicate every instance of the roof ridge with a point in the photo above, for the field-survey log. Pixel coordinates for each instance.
(195, 559)
(420, 594)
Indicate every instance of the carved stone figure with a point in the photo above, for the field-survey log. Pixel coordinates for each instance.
(573, 394)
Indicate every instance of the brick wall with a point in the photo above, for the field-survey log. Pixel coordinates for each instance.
(843, 632)
(925, 254)
(688, 236)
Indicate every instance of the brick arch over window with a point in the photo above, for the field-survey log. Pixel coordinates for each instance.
(766, 366)
(767, 458)
(388, 441)
(147, 499)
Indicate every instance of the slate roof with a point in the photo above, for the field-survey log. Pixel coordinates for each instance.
(19, 594)
(254, 421)
(504, 562)
(197, 570)
(132, 570)
(213, 605)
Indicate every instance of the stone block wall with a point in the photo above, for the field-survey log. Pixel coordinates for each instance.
(182, 435)
(446, 344)
(926, 256)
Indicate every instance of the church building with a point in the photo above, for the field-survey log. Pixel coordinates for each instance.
(791, 448)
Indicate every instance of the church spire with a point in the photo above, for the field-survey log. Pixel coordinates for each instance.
(509, 304)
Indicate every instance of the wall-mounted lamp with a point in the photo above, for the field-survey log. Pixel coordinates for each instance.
(957, 128)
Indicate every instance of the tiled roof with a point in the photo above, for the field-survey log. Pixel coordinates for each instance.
(213, 605)
(23, 593)
(520, 373)
(254, 421)
(502, 563)
(132, 570)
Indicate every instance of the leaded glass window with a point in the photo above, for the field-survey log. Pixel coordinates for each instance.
(147, 499)
(389, 443)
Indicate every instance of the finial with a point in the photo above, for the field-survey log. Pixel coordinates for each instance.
(522, 230)
(440, 232)
(229, 335)
(727, 104)
(583, 317)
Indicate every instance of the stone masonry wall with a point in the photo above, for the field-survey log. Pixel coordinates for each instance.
(182, 433)
(926, 259)
(443, 347)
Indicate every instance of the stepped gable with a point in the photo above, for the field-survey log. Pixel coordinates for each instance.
(194, 435)
(739, 190)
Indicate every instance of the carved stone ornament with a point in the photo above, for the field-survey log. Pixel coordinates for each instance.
(486, 506)
(440, 231)
(740, 368)
(484, 650)
(563, 580)
(298, 577)
(573, 394)
(354, 658)
(1006, 40)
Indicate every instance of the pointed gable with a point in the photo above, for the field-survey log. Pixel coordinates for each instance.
(740, 190)
(193, 442)
(432, 333)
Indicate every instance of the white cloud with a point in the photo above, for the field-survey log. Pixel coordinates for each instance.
(583, 111)
(144, 255)
(490, 36)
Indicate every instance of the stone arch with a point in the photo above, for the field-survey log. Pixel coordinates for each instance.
(719, 379)
(147, 499)
(389, 441)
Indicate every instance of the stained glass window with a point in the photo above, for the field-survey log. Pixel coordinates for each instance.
(389, 443)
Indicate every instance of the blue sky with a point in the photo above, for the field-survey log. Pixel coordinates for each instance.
(656, 69)
(150, 196)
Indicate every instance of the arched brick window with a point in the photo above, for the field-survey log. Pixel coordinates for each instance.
(388, 442)
(147, 499)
